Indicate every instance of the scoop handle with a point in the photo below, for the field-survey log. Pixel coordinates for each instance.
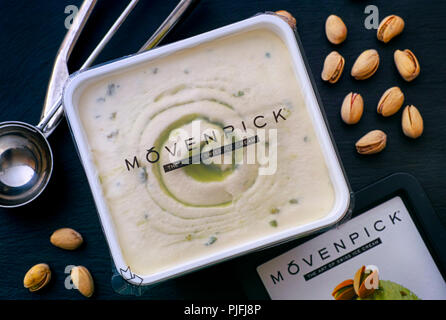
(60, 72)
(84, 12)
(52, 118)
(51, 115)
(173, 18)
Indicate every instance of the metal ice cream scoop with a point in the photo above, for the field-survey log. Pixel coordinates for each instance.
(26, 160)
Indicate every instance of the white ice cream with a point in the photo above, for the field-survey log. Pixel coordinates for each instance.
(166, 219)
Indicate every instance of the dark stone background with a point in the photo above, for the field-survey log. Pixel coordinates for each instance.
(30, 34)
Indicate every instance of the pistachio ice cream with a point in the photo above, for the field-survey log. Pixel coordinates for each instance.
(389, 290)
(141, 120)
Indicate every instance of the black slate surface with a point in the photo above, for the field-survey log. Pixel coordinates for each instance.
(30, 34)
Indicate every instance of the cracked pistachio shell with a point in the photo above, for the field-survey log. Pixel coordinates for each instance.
(373, 142)
(360, 280)
(352, 108)
(412, 122)
(390, 27)
(344, 290)
(390, 102)
(288, 17)
(82, 280)
(335, 29)
(407, 64)
(365, 65)
(333, 67)
(37, 277)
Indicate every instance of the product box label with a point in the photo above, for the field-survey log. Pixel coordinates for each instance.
(384, 238)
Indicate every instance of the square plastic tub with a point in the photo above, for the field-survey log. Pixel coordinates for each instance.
(342, 195)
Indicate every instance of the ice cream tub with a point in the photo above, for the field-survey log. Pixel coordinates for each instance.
(206, 149)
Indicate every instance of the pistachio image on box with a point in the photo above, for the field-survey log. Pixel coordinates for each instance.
(367, 286)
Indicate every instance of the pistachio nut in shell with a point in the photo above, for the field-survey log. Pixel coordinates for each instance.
(390, 27)
(365, 282)
(359, 277)
(82, 280)
(66, 238)
(373, 142)
(365, 65)
(37, 277)
(412, 122)
(288, 17)
(390, 102)
(352, 108)
(333, 67)
(407, 64)
(344, 290)
(335, 29)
